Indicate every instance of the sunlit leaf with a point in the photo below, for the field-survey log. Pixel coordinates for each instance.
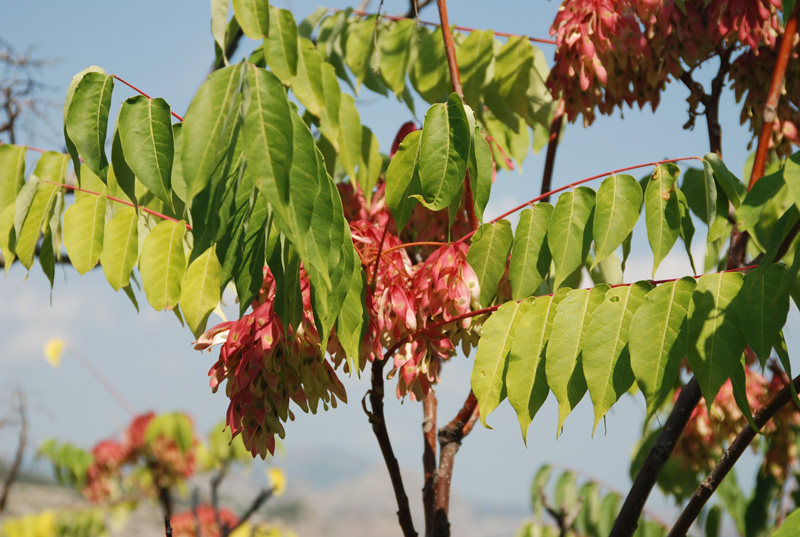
(120, 247)
(12, 173)
(570, 231)
(163, 263)
(489, 372)
(530, 256)
(402, 180)
(396, 47)
(84, 225)
(53, 349)
(487, 256)
(475, 55)
(87, 119)
(254, 17)
(281, 46)
(765, 309)
(200, 290)
(662, 212)
(349, 135)
(730, 184)
(606, 355)
(619, 202)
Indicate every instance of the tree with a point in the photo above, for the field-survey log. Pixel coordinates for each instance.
(369, 260)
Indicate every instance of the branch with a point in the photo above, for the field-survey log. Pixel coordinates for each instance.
(659, 454)
(416, 7)
(258, 501)
(565, 519)
(729, 458)
(23, 441)
(378, 422)
(429, 405)
(552, 145)
(450, 437)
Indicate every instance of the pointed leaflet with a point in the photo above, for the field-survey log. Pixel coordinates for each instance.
(268, 131)
(402, 180)
(73, 152)
(606, 357)
(512, 73)
(662, 212)
(570, 233)
(619, 202)
(370, 163)
(209, 125)
(120, 174)
(219, 23)
(687, 226)
(730, 184)
(251, 255)
(349, 135)
(359, 48)
(489, 372)
(443, 153)
(87, 120)
(84, 224)
(487, 256)
(329, 118)
(281, 47)
(766, 310)
(353, 318)
(739, 388)
(163, 263)
(756, 201)
(475, 54)
(145, 130)
(526, 381)
(396, 46)
(480, 168)
(7, 235)
(658, 339)
(715, 342)
(12, 173)
(200, 290)
(429, 74)
(563, 361)
(791, 175)
(253, 17)
(530, 257)
(307, 85)
(120, 247)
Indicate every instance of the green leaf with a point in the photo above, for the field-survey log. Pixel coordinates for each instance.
(658, 341)
(489, 372)
(359, 49)
(307, 85)
(790, 526)
(730, 184)
(268, 131)
(163, 264)
(250, 256)
(210, 125)
(73, 152)
(619, 202)
(370, 163)
(766, 309)
(200, 290)
(87, 120)
(120, 247)
(402, 180)
(443, 153)
(606, 356)
(349, 135)
(353, 319)
(530, 256)
(329, 117)
(526, 381)
(32, 211)
(480, 168)
(281, 46)
(487, 256)
(512, 73)
(662, 212)
(570, 231)
(739, 388)
(120, 176)
(12, 173)
(52, 167)
(687, 226)
(475, 56)
(429, 74)
(84, 224)
(715, 342)
(219, 23)
(145, 130)
(751, 210)
(563, 360)
(396, 46)
(253, 17)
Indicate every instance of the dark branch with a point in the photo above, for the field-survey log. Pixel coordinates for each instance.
(21, 444)
(429, 405)
(729, 458)
(378, 422)
(552, 145)
(258, 501)
(416, 7)
(659, 454)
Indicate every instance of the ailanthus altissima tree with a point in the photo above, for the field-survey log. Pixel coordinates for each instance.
(344, 256)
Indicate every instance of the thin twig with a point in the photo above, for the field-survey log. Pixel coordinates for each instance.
(21, 444)
(198, 530)
(258, 501)
(378, 422)
(729, 458)
(552, 145)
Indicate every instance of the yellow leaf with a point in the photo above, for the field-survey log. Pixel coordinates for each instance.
(278, 480)
(52, 351)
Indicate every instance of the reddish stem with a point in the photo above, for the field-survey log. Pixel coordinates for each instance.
(124, 202)
(137, 90)
(412, 244)
(459, 28)
(429, 406)
(771, 106)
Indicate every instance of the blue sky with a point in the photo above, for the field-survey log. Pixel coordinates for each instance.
(166, 49)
